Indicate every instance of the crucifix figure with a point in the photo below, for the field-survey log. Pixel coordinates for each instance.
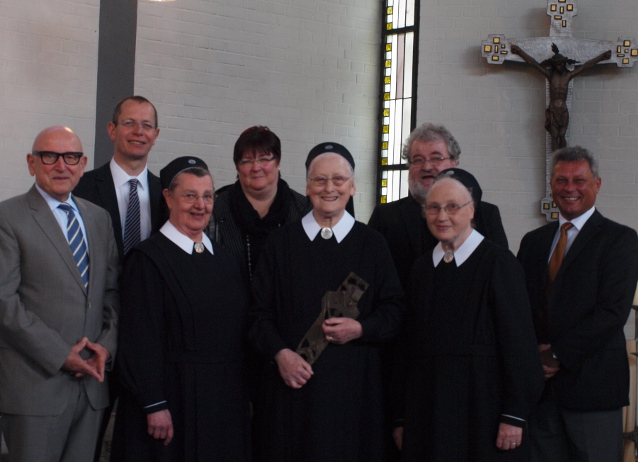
(558, 78)
(543, 53)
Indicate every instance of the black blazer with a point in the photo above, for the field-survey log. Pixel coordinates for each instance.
(588, 307)
(97, 186)
(403, 227)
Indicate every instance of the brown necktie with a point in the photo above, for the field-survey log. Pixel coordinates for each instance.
(559, 253)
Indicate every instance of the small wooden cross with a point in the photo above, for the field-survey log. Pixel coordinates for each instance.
(540, 51)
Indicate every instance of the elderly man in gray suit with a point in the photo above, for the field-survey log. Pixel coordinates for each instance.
(58, 308)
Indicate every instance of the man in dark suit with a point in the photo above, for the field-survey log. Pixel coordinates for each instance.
(429, 150)
(581, 277)
(58, 308)
(133, 131)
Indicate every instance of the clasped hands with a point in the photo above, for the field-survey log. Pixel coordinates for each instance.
(93, 366)
(295, 371)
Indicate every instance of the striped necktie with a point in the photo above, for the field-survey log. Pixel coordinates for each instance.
(77, 243)
(132, 235)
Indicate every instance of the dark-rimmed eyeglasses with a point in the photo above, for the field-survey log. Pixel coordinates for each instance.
(131, 124)
(450, 209)
(260, 161)
(51, 157)
(192, 198)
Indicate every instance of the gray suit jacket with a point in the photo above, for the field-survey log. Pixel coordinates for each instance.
(44, 309)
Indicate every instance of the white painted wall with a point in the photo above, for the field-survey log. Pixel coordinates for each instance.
(497, 112)
(305, 68)
(48, 65)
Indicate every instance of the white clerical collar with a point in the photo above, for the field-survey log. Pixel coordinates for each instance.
(578, 222)
(120, 177)
(462, 253)
(182, 241)
(340, 230)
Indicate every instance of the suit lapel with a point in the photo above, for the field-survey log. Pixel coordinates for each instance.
(108, 197)
(155, 193)
(413, 223)
(43, 216)
(591, 228)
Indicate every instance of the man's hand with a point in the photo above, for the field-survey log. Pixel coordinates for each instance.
(550, 365)
(341, 330)
(98, 359)
(293, 368)
(94, 366)
(160, 425)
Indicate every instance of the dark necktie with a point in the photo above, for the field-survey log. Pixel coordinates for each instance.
(559, 253)
(76, 242)
(132, 224)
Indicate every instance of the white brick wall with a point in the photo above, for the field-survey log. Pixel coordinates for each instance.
(497, 112)
(48, 62)
(305, 68)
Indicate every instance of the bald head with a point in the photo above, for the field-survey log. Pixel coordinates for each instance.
(59, 178)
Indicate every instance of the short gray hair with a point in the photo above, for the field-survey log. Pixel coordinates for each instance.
(575, 154)
(431, 132)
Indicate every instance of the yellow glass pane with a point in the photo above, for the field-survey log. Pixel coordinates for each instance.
(389, 10)
(626, 43)
(384, 183)
(634, 52)
(388, 63)
(386, 96)
(388, 47)
(384, 145)
(552, 8)
(625, 61)
(496, 40)
(487, 48)
(570, 7)
(386, 129)
(387, 80)
(384, 161)
(384, 199)
(388, 26)
(386, 113)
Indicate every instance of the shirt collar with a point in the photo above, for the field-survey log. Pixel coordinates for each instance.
(462, 253)
(53, 203)
(340, 230)
(579, 221)
(120, 177)
(181, 240)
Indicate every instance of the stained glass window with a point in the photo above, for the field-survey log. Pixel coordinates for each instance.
(398, 102)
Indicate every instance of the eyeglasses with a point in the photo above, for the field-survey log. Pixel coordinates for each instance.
(50, 157)
(131, 124)
(192, 198)
(450, 209)
(420, 161)
(323, 180)
(260, 161)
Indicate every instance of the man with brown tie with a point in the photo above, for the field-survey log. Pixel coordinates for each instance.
(581, 276)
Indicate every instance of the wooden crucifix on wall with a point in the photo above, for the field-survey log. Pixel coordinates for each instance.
(559, 57)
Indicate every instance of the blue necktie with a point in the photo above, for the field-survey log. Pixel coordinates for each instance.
(76, 242)
(132, 224)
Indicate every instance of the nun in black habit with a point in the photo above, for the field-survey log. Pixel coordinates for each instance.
(184, 306)
(469, 368)
(330, 410)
